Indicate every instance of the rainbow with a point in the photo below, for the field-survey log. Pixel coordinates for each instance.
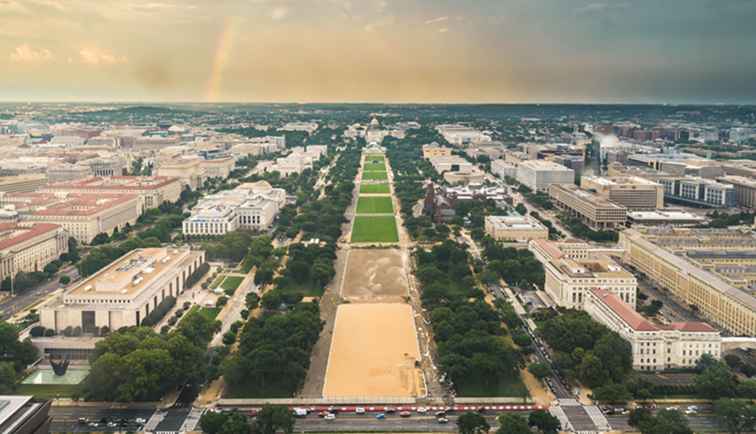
(221, 57)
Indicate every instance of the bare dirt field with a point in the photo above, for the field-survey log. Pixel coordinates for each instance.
(373, 352)
(374, 274)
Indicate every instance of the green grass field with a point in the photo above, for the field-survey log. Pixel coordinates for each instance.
(374, 176)
(377, 229)
(232, 282)
(374, 157)
(374, 205)
(375, 188)
(47, 391)
(509, 387)
(375, 167)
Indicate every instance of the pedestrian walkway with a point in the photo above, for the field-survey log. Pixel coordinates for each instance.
(598, 417)
(192, 420)
(153, 421)
(558, 413)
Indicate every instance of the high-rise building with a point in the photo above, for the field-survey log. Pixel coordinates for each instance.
(592, 209)
(538, 175)
(632, 192)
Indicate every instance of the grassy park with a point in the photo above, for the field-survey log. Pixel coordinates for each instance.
(374, 205)
(375, 188)
(231, 282)
(375, 229)
(374, 176)
(375, 167)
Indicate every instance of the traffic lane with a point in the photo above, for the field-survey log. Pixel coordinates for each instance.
(66, 419)
(697, 423)
(28, 297)
(392, 422)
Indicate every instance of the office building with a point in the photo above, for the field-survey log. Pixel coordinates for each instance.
(515, 228)
(666, 217)
(654, 346)
(590, 208)
(662, 254)
(503, 169)
(461, 135)
(745, 190)
(123, 293)
(29, 247)
(632, 192)
(27, 182)
(250, 206)
(186, 170)
(152, 190)
(538, 175)
(308, 127)
(67, 172)
(83, 216)
(699, 191)
(436, 150)
(21, 414)
(572, 269)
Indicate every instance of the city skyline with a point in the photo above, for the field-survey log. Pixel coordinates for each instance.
(420, 51)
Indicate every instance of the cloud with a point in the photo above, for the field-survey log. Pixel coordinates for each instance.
(280, 12)
(599, 7)
(28, 54)
(96, 57)
(437, 20)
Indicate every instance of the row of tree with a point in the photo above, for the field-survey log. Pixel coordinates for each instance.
(466, 329)
(586, 350)
(274, 352)
(15, 356)
(517, 267)
(137, 364)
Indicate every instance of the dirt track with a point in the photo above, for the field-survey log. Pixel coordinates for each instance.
(374, 275)
(373, 352)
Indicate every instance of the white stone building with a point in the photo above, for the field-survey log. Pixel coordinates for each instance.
(251, 206)
(123, 293)
(538, 175)
(515, 228)
(30, 246)
(572, 269)
(654, 346)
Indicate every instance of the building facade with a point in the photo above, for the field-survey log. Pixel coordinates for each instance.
(655, 253)
(745, 190)
(632, 192)
(30, 247)
(699, 191)
(590, 208)
(515, 228)
(151, 190)
(538, 175)
(655, 347)
(572, 269)
(123, 293)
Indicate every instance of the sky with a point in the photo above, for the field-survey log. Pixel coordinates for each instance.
(435, 51)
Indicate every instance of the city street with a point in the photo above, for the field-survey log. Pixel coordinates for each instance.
(12, 305)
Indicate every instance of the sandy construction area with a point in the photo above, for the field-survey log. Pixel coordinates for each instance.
(373, 352)
(374, 274)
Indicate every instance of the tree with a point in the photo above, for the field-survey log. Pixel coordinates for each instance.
(224, 423)
(7, 378)
(612, 392)
(520, 208)
(64, 280)
(272, 418)
(737, 416)
(472, 423)
(665, 422)
(539, 370)
(510, 423)
(716, 381)
(638, 415)
(544, 421)
(100, 238)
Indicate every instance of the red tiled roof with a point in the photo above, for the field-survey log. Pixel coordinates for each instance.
(85, 204)
(132, 183)
(624, 311)
(28, 233)
(693, 326)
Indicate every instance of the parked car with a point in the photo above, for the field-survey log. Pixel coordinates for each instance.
(380, 416)
(405, 414)
(330, 416)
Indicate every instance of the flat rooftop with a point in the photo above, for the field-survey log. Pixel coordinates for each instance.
(543, 165)
(130, 274)
(586, 195)
(116, 183)
(664, 215)
(12, 234)
(515, 222)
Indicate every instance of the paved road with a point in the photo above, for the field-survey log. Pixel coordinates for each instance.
(11, 306)
(66, 419)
